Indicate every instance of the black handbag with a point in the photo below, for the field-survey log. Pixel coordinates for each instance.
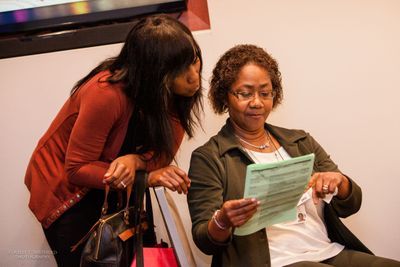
(111, 242)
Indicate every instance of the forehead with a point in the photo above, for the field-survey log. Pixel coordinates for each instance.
(252, 74)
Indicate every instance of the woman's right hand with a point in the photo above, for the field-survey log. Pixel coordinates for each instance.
(171, 177)
(122, 170)
(235, 213)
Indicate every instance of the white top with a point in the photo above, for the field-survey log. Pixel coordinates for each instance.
(304, 239)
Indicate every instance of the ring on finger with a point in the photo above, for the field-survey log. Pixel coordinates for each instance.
(123, 184)
(325, 188)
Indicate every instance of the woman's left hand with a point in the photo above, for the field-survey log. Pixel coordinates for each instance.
(171, 177)
(324, 183)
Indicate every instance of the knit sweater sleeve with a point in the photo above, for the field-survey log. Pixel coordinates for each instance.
(96, 136)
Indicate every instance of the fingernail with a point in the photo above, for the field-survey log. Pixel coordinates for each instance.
(107, 174)
(104, 181)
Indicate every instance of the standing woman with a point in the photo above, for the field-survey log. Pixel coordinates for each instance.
(129, 113)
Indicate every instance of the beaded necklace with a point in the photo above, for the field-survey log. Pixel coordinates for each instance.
(261, 147)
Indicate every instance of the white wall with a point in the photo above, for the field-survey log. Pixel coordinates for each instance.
(340, 62)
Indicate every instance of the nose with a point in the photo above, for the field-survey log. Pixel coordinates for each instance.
(256, 101)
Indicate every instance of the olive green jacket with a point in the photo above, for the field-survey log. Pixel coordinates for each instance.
(217, 172)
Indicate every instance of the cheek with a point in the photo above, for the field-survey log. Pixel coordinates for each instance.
(236, 111)
(177, 85)
(268, 106)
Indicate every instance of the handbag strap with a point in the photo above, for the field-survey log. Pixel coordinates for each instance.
(104, 208)
(140, 187)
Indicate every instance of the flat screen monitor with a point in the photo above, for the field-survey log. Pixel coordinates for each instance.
(24, 21)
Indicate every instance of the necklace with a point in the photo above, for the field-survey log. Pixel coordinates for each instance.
(261, 147)
(261, 159)
(276, 149)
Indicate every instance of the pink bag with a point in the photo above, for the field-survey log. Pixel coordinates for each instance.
(158, 257)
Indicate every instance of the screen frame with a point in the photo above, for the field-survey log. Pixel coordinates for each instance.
(84, 31)
(81, 13)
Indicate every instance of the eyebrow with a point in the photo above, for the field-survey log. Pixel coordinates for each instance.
(248, 86)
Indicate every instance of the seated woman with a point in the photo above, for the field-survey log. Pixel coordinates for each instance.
(246, 82)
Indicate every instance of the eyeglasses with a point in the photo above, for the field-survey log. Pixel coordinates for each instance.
(248, 96)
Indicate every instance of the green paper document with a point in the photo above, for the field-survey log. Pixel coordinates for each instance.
(279, 187)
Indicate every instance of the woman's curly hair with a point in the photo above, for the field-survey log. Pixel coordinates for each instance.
(228, 67)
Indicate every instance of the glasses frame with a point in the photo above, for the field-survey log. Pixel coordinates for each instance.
(239, 95)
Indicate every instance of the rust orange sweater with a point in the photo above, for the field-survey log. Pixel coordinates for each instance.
(75, 152)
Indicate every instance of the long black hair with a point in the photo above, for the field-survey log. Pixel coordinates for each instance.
(157, 49)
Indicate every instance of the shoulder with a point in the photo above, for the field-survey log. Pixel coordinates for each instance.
(99, 94)
(290, 135)
(214, 148)
(211, 146)
(99, 87)
(207, 159)
(294, 137)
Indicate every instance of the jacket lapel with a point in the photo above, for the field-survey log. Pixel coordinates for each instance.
(287, 138)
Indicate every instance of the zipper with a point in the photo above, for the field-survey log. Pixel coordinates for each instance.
(99, 238)
(102, 222)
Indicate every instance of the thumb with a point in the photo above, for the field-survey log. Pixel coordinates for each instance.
(110, 169)
(311, 182)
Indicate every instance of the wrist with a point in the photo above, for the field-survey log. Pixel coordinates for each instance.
(139, 162)
(217, 221)
(344, 189)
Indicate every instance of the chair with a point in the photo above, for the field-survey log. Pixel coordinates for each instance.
(175, 228)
